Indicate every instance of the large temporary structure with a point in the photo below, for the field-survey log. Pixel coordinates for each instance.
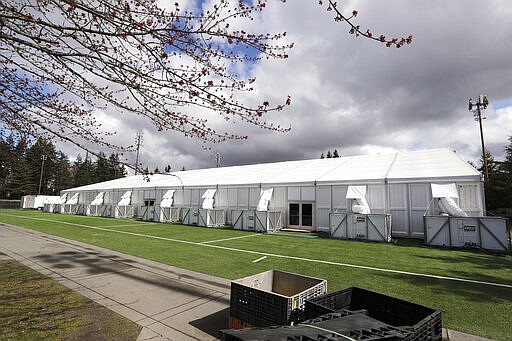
(305, 192)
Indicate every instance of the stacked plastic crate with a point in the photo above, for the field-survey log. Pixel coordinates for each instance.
(353, 314)
(272, 298)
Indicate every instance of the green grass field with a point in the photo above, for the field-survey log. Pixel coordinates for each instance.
(475, 308)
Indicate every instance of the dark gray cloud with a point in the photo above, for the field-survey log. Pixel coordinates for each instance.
(360, 97)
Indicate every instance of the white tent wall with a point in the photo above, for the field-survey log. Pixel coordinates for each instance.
(397, 184)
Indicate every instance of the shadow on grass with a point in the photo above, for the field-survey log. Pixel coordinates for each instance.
(83, 263)
(478, 293)
(480, 260)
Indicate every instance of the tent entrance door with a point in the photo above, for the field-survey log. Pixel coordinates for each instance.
(300, 215)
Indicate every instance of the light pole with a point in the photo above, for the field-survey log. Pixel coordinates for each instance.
(43, 159)
(138, 141)
(482, 102)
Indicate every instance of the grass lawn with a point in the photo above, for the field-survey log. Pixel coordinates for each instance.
(35, 307)
(473, 308)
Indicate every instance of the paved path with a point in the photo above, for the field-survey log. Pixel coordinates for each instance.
(168, 302)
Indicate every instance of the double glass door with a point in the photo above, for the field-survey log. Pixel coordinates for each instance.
(300, 214)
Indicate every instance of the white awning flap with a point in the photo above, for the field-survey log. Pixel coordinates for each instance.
(168, 199)
(208, 197)
(356, 192)
(98, 199)
(63, 198)
(73, 200)
(444, 191)
(126, 199)
(265, 196)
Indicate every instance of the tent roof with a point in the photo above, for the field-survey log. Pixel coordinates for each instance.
(430, 165)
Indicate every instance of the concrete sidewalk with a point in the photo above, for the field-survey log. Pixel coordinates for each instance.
(168, 302)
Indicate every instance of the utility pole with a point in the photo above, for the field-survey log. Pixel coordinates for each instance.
(483, 102)
(138, 142)
(217, 159)
(43, 159)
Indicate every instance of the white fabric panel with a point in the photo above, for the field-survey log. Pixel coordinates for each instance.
(73, 200)
(208, 199)
(125, 199)
(209, 194)
(208, 204)
(444, 191)
(63, 198)
(168, 198)
(360, 206)
(265, 196)
(448, 206)
(356, 192)
(98, 199)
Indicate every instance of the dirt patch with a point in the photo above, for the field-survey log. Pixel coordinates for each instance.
(35, 307)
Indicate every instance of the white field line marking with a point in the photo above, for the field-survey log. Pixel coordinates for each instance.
(221, 240)
(128, 225)
(257, 260)
(278, 255)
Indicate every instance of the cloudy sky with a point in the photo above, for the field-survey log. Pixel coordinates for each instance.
(359, 97)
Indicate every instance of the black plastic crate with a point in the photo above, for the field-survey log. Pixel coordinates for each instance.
(355, 326)
(424, 322)
(273, 297)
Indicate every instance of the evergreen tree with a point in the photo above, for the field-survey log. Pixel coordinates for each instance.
(42, 171)
(156, 171)
(329, 154)
(335, 154)
(102, 169)
(117, 169)
(322, 156)
(494, 184)
(63, 178)
(83, 171)
(167, 169)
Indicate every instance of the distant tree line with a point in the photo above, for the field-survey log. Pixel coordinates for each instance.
(330, 155)
(498, 188)
(23, 171)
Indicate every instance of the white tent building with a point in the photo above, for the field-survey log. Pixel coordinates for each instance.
(307, 191)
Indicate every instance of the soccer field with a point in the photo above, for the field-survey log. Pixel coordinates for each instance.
(472, 289)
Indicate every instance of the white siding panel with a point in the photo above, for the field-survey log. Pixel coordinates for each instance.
(293, 193)
(254, 197)
(195, 198)
(221, 198)
(469, 199)
(243, 198)
(307, 193)
(187, 197)
(323, 206)
(278, 201)
(338, 197)
(233, 197)
(398, 209)
(376, 196)
(420, 196)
